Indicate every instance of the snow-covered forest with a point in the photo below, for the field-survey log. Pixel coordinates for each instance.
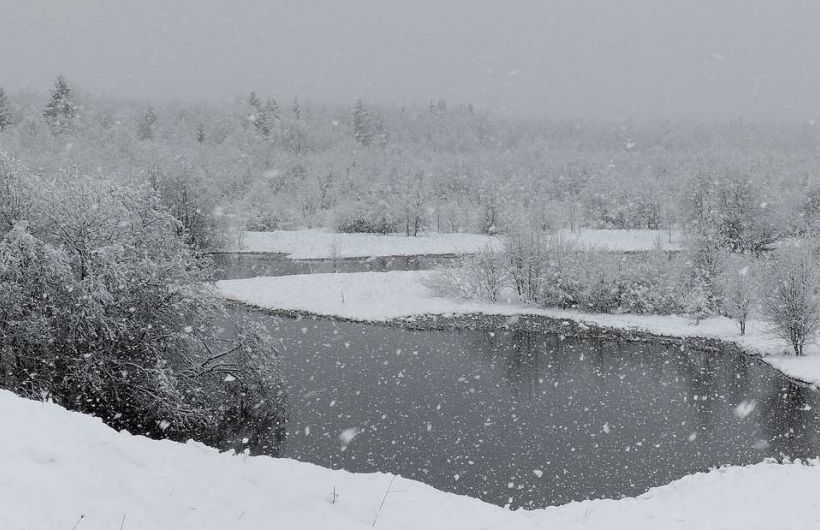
(447, 167)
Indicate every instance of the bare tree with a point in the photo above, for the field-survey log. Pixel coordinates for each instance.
(790, 301)
(738, 289)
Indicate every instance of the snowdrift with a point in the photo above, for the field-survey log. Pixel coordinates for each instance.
(66, 470)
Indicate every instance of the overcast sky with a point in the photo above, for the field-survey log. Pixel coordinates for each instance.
(560, 58)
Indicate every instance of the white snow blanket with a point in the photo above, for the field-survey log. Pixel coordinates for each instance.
(320, 244)
(64, 470)
(381, 296)
(624, 240)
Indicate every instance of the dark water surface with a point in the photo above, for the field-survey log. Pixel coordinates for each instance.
(520, 417)
(525, 418)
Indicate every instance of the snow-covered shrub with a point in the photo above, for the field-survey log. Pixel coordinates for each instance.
(602, 295)
(483, 275)
(15, 203)
(366, 217)
(183, 192)
(790, 299)
(106, 309)
(526, 252)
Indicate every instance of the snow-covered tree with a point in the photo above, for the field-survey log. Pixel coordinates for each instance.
(296, 110)
(738, 290)
(146, 123)
(61, 110)
(201, 134)
(362, 123)
(15, 190)
(5, 111)
(790, 297)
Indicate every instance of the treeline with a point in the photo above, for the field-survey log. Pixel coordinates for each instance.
(261, 164)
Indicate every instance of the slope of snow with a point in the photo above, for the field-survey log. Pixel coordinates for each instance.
(67, 470)
(318, 244)
(624, 240)
(382, 296)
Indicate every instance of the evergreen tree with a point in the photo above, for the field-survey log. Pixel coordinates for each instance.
(262, 116)
(61, 109)
(362, 124)
(201, 135)
(267, 117)
(145, 126)
(5, 111)
(297, 111)
(254, 108)
(254, 102)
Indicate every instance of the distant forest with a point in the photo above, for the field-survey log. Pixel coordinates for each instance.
(260, 163)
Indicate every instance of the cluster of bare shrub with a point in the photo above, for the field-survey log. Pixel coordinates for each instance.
(704, 280)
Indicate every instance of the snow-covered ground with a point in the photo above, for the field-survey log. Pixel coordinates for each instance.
(381, 296)
(624, 240)
(67, 470)
(320, 244)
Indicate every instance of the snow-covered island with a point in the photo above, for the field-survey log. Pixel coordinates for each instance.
(385, 296)
(63, 469)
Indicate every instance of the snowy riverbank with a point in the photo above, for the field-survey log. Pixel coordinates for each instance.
(624, 240)
(68, 470)
(321, 244)
(384, 296)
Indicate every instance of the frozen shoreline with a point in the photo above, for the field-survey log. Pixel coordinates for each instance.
(386, 296)
(322, 244)
(65, 468)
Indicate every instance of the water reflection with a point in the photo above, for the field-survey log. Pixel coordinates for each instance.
(527, 418)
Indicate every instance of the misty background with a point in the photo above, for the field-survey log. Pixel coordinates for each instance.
(589, 59)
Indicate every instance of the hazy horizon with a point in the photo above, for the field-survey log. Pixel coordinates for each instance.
(590, 59)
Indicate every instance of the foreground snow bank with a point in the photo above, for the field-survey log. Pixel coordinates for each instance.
(66, 470)
(382, 296)
(318, 244)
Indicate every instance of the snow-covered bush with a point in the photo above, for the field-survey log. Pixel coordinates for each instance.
(596, 281)
(15, 203)
(526, 252)
(366, 217)
(183, 192)
(105, 308)
(484, 275)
